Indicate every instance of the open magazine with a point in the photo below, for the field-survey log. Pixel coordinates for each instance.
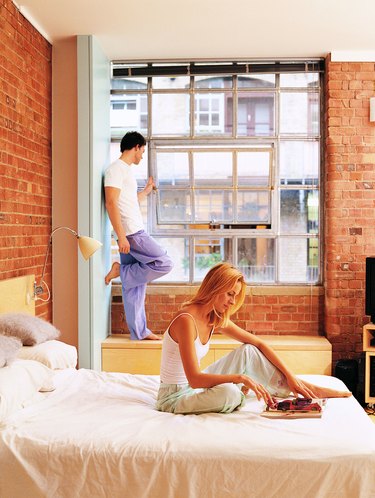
(295, 408)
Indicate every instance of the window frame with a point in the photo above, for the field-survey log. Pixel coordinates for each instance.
(273, 142)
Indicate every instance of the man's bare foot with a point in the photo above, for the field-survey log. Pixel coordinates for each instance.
(153, 337)
(114, 272)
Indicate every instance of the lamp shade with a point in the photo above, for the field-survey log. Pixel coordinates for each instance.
(88, 246)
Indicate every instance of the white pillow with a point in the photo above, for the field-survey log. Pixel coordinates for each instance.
(8, 349)
(30, 329)
(19, 383)
(54, 354)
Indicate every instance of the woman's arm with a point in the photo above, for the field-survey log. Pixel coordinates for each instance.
(184, 332)
(296, 385)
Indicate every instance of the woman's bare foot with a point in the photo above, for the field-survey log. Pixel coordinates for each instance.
(153, 337)
(326, 392)
(114, 272)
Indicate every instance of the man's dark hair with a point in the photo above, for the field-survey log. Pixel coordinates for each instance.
(132, 139)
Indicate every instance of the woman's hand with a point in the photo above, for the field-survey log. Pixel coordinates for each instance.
(258, 389)
(297, 387)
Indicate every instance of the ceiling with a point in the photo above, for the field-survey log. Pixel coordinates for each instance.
(216, 29)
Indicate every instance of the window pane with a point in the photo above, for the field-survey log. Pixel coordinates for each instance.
(213, 113)
(129, 84)
(255, 114)
(178, 250)
(208, 252)
(299, 80)
(299, 163)
(253, 168)
(256, 81)
(172, 168)
(213, 81)
(299, 113)
(213, 205)
(256, 259)
(170, 114)
(213, 168)
(299, 211)
(128, 112)
(174, 206)
(167, 83)
(254, 206)
(298, 260)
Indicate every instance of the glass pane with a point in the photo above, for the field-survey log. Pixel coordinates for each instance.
(253, 168)
(299, 80)
(213, 82)
(140, 170)
(178, 251)
(213, 113)
(128, 112)
(299, 113)
(299, 211)
(213, 205)
(208, 252)
(299, 163)
(174, 205)
(129, 83)
(213, 168)
(256, 81)
(172, 168)
(170, 114)
(256, 259)
(298, 260)
(170, 82)
(256, 114)
(254, 206)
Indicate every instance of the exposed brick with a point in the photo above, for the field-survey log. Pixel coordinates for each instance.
(25, 159)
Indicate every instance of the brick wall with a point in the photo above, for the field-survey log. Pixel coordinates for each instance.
(25, 148)
(349, 202)
(271, 310)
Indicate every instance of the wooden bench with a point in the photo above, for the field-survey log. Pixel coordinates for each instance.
(302, 354)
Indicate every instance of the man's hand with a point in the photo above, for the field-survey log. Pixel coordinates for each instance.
(123, 245)
(150, 186)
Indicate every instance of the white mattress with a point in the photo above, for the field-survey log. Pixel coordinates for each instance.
(99, 435)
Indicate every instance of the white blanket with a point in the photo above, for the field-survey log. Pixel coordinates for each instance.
(98, 435)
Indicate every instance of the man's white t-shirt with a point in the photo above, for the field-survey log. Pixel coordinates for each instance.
(120, 175)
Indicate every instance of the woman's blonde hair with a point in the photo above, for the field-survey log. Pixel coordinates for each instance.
(220, 278)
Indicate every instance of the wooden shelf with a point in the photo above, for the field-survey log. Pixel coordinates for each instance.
(368, 335)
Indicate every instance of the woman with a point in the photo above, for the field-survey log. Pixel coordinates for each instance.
(222, 387)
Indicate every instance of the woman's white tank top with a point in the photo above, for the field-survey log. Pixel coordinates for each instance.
(171, 367)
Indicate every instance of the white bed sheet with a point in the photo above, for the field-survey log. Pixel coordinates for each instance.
(99, 435)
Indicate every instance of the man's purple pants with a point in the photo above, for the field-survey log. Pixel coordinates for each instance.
(145, 262)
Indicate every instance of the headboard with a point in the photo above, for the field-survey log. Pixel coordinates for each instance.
(16, 295)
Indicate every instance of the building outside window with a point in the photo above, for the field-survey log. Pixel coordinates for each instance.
(234, 148)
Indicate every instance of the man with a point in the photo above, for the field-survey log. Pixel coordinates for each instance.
(142, 259)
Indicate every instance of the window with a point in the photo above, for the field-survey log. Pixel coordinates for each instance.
(234, 148)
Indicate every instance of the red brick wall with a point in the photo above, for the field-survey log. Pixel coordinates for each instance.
(349, 202)
(25, 148)
(284, 312)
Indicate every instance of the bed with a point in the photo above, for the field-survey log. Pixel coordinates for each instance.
(97, 434)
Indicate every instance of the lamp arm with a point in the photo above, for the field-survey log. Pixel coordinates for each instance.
(49, 245)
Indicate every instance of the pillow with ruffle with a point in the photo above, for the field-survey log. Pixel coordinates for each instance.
(54, 354)
(29, 329)
(8, 349)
